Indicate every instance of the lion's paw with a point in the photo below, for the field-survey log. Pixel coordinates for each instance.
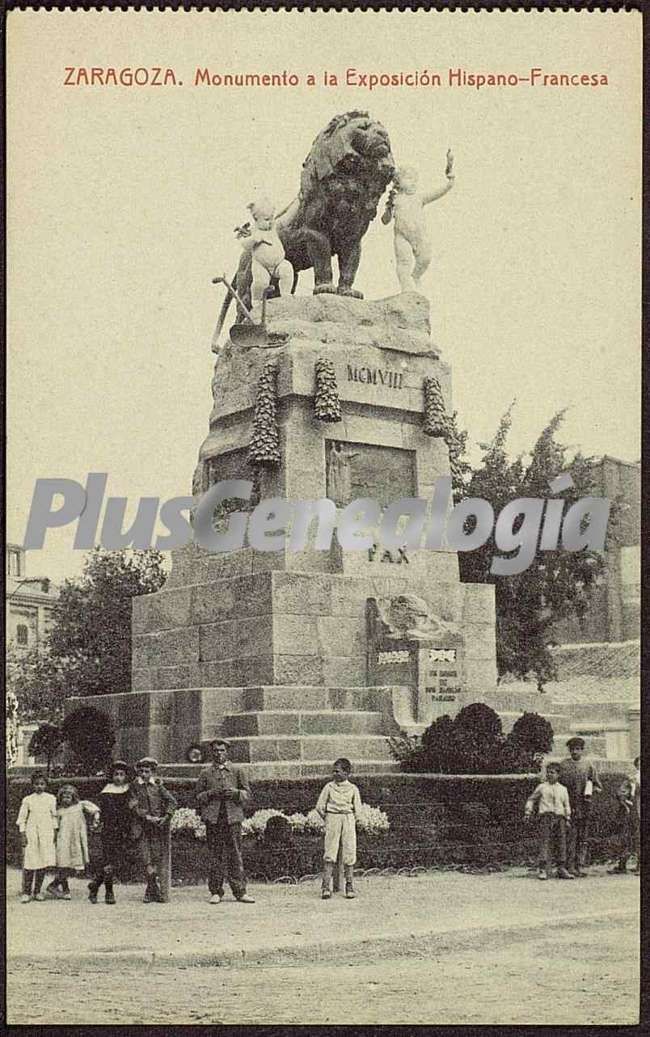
(324, 289)
(350, 292)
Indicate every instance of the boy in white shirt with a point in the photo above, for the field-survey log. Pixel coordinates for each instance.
(338, 803)
(554, 812)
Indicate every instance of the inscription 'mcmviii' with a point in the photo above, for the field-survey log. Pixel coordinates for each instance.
(375, 376)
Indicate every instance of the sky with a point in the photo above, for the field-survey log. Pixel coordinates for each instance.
(122, 202)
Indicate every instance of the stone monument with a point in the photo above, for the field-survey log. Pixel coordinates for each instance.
(300, 656)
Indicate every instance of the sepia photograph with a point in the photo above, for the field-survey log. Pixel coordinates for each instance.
(323, 536)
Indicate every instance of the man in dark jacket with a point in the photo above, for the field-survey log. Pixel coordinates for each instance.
(221, 791)
(153, 807)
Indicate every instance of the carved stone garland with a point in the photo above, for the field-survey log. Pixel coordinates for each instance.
(327, 404)
(437, 423)
(265, 441)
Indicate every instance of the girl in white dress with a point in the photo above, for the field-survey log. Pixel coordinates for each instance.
(37, 822)
(71, 838)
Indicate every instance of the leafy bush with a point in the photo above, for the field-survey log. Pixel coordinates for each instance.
(473, 743)
(278, 830)
(90, 736)
(531, 737)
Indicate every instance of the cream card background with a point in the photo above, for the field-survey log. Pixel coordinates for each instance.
(122, 203)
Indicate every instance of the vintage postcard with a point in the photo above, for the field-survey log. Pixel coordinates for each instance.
(323, 552)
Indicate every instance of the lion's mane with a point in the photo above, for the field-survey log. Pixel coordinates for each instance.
(343, 177)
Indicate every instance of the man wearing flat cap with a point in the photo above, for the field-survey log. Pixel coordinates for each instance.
(153, 807)
(222, 789)
(581, 779)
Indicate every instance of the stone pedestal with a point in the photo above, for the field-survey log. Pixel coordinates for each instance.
(273, 649)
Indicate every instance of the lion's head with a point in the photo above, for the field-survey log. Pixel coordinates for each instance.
(408, 612)
(351, 143)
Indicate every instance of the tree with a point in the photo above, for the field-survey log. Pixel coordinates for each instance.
(89, 734)
(46, 741)
(37, 685)
(90, 641)
(88, 649)
(557, 583)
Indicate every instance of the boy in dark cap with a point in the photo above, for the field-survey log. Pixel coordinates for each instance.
(115, 819)
(581, 779)
(153, 807)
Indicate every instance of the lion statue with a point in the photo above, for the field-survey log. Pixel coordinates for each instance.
(343, 177)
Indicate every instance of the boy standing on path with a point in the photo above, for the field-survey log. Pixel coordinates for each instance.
(581, 780)
(629, 797)
(153, 807)
(554, 812)
(221, 791)
(338, 804)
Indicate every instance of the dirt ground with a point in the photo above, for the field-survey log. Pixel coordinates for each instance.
(578, 966)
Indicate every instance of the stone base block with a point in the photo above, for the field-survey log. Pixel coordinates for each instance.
(308, 748)
(284, 628)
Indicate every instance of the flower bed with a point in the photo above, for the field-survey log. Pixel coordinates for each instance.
(370, 820)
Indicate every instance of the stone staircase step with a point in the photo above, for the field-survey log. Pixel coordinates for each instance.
(503, 701)
(558, 721)
(303, 722)
(310, 698)
(282, 770)
(273, 748)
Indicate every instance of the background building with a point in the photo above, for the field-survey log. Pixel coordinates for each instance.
(614, 611)
(29, 601)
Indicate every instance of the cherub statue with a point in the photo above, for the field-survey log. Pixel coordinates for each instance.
(267, 251)
(412, 240)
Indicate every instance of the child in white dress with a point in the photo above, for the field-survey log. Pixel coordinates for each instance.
(71, 838)
(37, 822)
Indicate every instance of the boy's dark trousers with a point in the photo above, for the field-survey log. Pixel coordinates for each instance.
(552, 831)
(630, 837)
(578, 836)
(224, 852)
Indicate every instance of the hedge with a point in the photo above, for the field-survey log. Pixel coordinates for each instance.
(442, 821)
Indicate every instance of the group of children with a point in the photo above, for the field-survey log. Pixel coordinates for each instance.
(563, 805)
(130, 817)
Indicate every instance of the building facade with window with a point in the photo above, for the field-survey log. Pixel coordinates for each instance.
(29, 601)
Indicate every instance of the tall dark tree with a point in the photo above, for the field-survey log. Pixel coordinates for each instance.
(557, 583)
